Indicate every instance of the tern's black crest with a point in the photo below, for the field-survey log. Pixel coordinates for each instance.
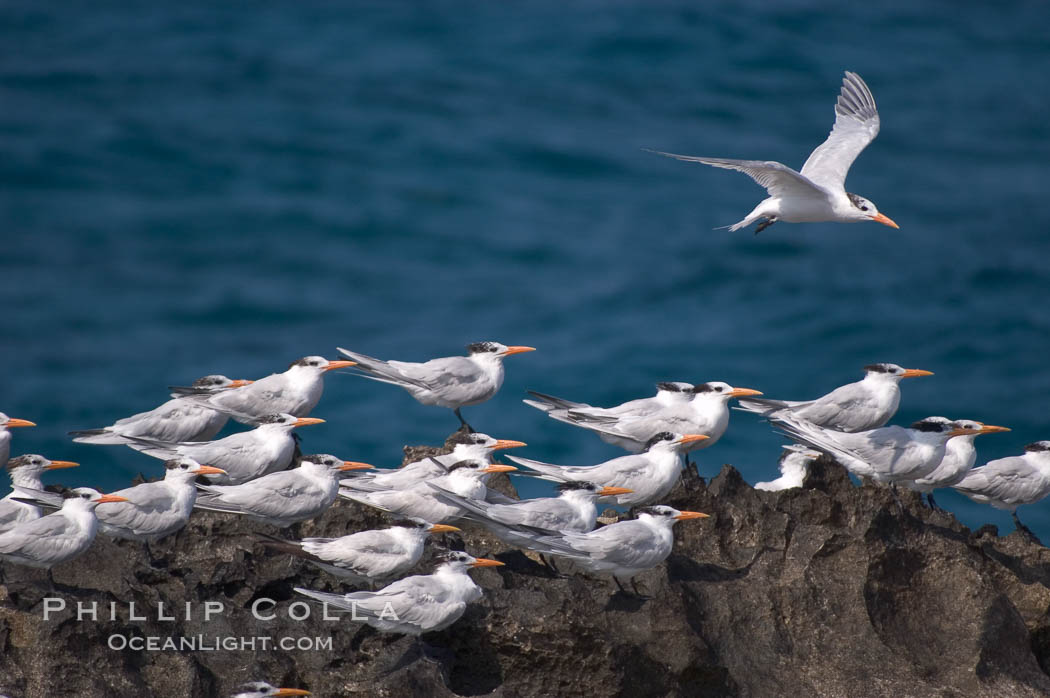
(1037, 447)
(859, 202)
(662, 436)
(468, 438)
(482, 347)
(577, 485)
(883, 368)
(930, 425)
(270, 419)
(672, 388)
(658, 510)
(472, 464)
(456, 556)
(26, 460)
(176, 464)
(211, 382)
(409, 523)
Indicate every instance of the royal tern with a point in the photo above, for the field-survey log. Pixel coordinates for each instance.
(261, 689)
(1010, 482)
(282, 498)
(623, 549)
(421, 501)
(866, 404)
(681, 408)
(452, 381)
(959, 458)
(244, 456)
(817, 192)
(178, 419)
(295, 392)
(25, 471)
(414, 605)
(153, 510)
(649, 475)
(57, 537)
(887, 454)
(794, 466)
(467, 446)
(366, 556)
(5, 436)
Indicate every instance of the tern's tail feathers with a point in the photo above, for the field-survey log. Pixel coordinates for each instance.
(549, 402)
(556, 472)
(377, 369)
(286, 546)
(97, 436)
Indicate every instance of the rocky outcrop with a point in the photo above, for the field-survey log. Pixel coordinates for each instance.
(831, 590)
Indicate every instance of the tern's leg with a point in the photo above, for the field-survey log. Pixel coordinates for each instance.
(634, 585)
(933, 504)
(426, 652)
(463, 421)
(765, 224)
(1024, 530)
(896, 498)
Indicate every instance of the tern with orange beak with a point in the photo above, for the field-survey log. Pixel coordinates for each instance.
(365, 556)
(5, 436)
(682, 408)
(959, 458)
(286, 497)
(817, 193)
(866, 404)
(261, 689)
(649, 476)
(1011, 482)
(243, 456)
(58, 537)
(296, 391)
(414, 605)
(178, 419)
(453, 381)
(26, 471)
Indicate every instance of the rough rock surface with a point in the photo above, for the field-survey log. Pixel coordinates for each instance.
(824, 591)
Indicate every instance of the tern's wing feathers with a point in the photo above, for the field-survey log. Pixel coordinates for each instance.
(856, 125)
(1010, 480)
(777, 178)
(628, 543)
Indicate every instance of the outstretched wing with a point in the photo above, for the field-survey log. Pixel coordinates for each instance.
(777, 178)
(856, 125)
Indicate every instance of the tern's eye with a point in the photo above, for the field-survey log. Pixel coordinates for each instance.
(863, 208)
(184, 466)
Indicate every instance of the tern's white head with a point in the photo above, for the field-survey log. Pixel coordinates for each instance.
(578, 489)
(285, 421)
(30, 467)
(677, 443)
(892, 372)
(494, 350)
(215, 383)
(945, 428)
(974, 428)
(318, 364)
(717, 391)
(261, 689)
(478, 445)
(329, 464)
(85, 498)
(421, 527)
(457, 561)
(864, 210)
(475, 468)
(10, 422)
(187, 469)
(667, 516)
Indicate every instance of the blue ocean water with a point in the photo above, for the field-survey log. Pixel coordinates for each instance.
(225, 187)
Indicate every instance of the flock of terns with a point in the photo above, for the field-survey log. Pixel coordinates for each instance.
(251, 473)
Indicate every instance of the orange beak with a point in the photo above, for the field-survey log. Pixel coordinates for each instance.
(240, 383)
(354, 465)
(306, 421)
(495, 468)
(691, 515)
(743, 392)
(885, 220)
(110, 498)
(484, 562)
(964, 431)
(441, 528)
(332, 365)
(57, 464)
(291, 692)
(613, 491)
(990, 429)
(690, 438)
(915, 373)
(210, 470)
(19, 423)
(507, 443)
(517, 350)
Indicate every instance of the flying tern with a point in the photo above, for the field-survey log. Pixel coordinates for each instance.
(650, 475)
(414, 605)
(794, 466)
(817, 192)
(244, 456)
(178, 419)
(682, 408)
(25, 471)
(296, 391)
(959, 458)
(453, 381)
(282, 498)
(1008, 483)
(366, 556)
(866, 404)
(261, 689)
(5, 436)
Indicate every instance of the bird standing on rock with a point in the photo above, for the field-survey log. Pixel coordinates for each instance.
(959, 457)
(1008, 483)
(816, 193)
(453, 381)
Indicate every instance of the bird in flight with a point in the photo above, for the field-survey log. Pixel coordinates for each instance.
(817, 193)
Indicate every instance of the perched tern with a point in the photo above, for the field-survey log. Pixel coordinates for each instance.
(57, 537)
(296, 391)
(5, 436)
(25, 471)
(794, 466)
(244, 456)
(649, 475)
(624, 549)
(959, 458)
(421, 501)
(453, 381)
(178, 419)
(817, 192)
(866, 404)
(261, 689)
(887, 454)
(152, 510)
(681, 408)
(414, 605)
(282, 498)
(1008, 483)
(366, 556)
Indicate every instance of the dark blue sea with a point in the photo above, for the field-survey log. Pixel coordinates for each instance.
(202, 187)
